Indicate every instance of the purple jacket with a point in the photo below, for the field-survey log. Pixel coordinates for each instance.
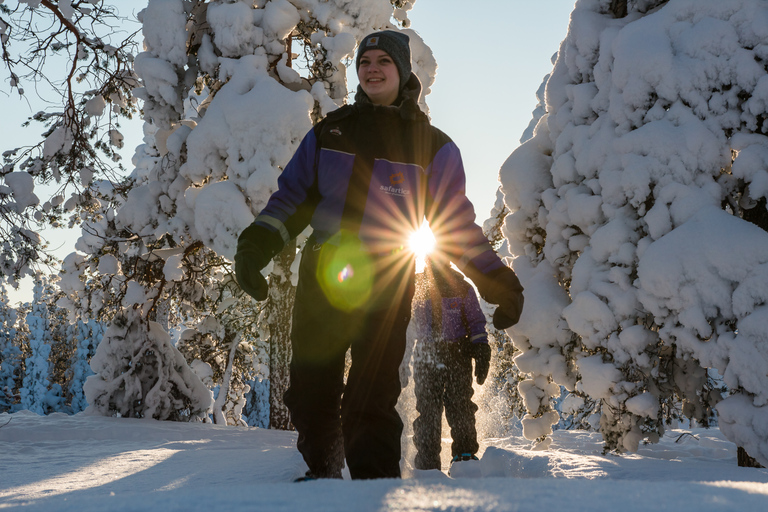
(461, 317)
(378, 172)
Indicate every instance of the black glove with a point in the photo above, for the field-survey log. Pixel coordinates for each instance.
(250, 258)
(481, 353)
(506, 291)
(249, 277)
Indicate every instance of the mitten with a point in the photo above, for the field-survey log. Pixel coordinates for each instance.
(481, 353)
(249, 277)
(250, 258)
(506, 291)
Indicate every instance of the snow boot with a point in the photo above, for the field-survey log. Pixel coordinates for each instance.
(308, 476)
(469, 468)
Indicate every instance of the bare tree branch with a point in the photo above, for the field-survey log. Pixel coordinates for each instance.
(85, 85)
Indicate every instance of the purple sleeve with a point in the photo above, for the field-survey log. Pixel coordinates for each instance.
(452, 217)
(475, 317)
(290, 207)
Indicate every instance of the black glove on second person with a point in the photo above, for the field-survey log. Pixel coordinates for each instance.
(250, 258)
(481, 353)
(504, 289)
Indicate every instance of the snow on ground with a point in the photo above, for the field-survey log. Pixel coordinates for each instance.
(92, 463)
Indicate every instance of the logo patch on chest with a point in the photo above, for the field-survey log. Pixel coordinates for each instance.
(396, 179)
(394, 189)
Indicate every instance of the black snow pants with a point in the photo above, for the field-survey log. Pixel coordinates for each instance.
(442, 373)
(356, 421)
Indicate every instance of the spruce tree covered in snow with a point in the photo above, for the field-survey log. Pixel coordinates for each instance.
(256, 409)
(63, 348)
(86, 337)
(628, 211)
(229, 89)
(10, 354)
(37, 393)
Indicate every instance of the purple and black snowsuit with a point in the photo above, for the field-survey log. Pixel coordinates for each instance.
(448, 318)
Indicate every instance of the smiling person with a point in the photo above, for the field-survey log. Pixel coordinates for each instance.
(364, 178)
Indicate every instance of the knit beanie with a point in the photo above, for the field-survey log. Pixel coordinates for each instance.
(396, 46)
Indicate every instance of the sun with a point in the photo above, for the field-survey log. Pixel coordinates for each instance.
(422, 243)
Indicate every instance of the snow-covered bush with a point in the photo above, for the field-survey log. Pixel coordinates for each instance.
(140, 374)
(628, 218)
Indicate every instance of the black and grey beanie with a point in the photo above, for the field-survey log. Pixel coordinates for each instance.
(395, 44)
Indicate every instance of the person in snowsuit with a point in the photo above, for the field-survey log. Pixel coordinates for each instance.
(450, 329)
(364, 178)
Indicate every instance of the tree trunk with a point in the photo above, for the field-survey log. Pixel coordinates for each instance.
(619, 8)
(745, 460)
(758, 215)
(280, 308)
(219, 416)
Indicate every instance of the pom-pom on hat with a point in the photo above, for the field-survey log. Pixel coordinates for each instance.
(396, 46)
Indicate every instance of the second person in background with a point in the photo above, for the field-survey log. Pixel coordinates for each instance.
(451, 333)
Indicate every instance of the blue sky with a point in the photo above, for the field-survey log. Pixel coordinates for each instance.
(491, 55)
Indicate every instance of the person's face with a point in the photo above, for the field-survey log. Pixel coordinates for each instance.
(378, 77)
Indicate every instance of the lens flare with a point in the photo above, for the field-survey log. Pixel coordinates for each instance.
(346, 273)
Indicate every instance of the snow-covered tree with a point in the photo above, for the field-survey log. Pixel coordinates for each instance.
(256, 409)
(223, 359)
(38, 394)
(140, 374)
(63, 348)
(86, 337)
(10, 354)
(74, 60)
(628, 219)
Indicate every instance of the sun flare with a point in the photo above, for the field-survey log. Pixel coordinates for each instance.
(422, 243)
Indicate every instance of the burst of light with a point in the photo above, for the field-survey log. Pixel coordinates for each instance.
(422, 243)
